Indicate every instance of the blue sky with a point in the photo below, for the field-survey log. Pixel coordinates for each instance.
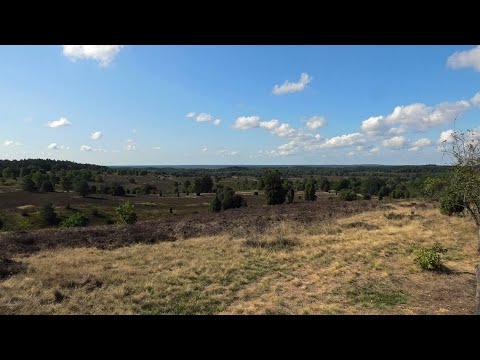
(166, 105)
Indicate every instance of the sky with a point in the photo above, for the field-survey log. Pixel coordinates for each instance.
(236, 105)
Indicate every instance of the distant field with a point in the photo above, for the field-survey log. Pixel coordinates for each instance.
(331, 258)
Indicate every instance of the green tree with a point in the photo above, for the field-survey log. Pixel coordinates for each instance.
(464, 179)
(81, 187)
(433, 187)
(48, 215)
(290, 195)
(38, 178)
(47, 186)
(325, 185)
(274, 189)
(7, 173)
(186, 187)
(197, 186)
(99, 179)
(310, 190)
(66, 183)
(28, 184)
(347, 195)
(215, 205)
(126, 214)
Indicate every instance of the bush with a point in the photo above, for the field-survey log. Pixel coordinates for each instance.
(225, 199)
(28, 184)
(126, 214)
(75, 220)
(255, 193)
(274, 190)
(81, 187)
(430, 258)
(310, 190)
(347, 195)
(215, 205)
(48, 215)
(451, 204)
(290, 195)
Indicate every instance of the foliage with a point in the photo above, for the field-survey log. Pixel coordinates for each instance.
(225, 199)
(451, 203)
(126, 213)
(310, 190)
(430, 258)
(274, 189)
(75, 220)
(48, 215)
(47, 186)
(28, 184)
(290, 195)
(347, 195)
(81, 187)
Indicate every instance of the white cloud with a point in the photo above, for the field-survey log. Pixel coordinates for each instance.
(316, 122)
(415, 116)
(465, 59)
(283, 130)
(446, 136)
(85, 148)
(475, 100)
(422, 142)
(351, 153)
(374, 150)
(62, 122)
(156, 148)
(318, 137)
(270, 125)
(131, 147)
(96, 135)
(344, 140)
(103, 54)
(11, 143)
(415, 148)
(395, 142)
(204, 117)
(289, 87)
(360, 147)
(246, 122)
(225, 152)
(204, 149)
(55, 146)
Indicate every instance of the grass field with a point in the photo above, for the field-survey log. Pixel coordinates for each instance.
(356, 263)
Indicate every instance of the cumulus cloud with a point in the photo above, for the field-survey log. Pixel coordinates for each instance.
(446, 136)
(374, 150)
(422, 142)
(465, 59)
(292, 87)
(351, 153)
(344, 140)
(156, 148)
(395, 142)
(96, 135)
(52, 146)
(204, 149)
(246, 122)
(11, 143)
(85, 148)
(318, 137)
(414, 116)
(226, 152)
(62, 122)
(316, 122)
(475, 100)
(103, 54)
(203, 117)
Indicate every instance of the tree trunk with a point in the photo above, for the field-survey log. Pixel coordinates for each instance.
(477, 297)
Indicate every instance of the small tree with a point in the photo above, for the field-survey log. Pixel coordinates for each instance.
(464, 184)
(197, 186)
(47, 186)
(126, 214)
(66, 183)
(215, 205)
(310, 190)
(81, 187)
(290, 195)
(28, 184)
(274, 189)
(48, 215)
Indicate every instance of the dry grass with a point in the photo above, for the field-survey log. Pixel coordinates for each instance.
(331, 267)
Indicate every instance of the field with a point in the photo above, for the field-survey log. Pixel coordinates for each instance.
(324, 257)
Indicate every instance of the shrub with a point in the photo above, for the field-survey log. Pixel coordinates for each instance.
(430, 258)
(126, 214)
(255, 193)
(274, 190)
(118, 190)
(451, 204)
(347, 195)
(290, 195)
(75, 220)
(215, 205)
(81, 187)
(310, 190)
(28, 184)
(47, 186)
(48, 215)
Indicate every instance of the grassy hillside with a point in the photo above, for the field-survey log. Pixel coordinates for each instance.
(352, 264)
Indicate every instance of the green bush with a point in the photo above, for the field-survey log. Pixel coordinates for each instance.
(215, 205)
(126, 214)
(275, 191)
(75, 220)
(451, 204)
(48, 215)
(430, 258)
(310, 190)
(347, 195)
(290, 195)
(225, 198)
